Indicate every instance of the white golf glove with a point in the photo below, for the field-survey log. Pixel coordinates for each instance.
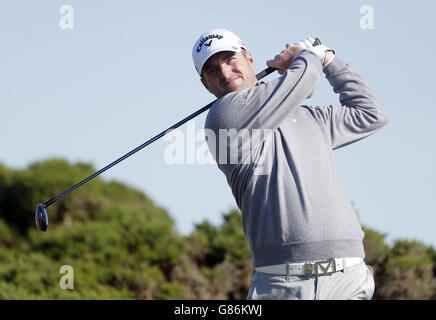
(306, 43)
(319, 50)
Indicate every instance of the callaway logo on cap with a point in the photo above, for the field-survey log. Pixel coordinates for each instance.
(214, 41)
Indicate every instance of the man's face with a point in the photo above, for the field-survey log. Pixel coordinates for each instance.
(228, 71)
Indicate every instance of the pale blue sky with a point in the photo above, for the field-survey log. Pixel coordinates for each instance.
(125, 73)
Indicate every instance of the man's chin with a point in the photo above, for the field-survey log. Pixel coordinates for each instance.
(232, 88)
(230, 91)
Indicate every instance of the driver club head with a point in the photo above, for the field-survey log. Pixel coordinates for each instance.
(41, 218)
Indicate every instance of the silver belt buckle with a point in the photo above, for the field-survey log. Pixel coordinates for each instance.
(320, 270)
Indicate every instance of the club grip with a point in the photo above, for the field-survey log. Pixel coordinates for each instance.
(265, 72)
(270, 70)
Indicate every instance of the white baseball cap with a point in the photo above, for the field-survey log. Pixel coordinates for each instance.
(213, 41)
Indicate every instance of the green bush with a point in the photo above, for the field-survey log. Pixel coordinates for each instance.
(121, 246)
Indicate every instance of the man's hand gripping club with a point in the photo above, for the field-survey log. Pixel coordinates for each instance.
(283, 60)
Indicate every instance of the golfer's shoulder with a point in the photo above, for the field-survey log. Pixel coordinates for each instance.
(223, 110)
(233, 110)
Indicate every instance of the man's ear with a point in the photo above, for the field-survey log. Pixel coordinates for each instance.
(249, 58)
(204, 83)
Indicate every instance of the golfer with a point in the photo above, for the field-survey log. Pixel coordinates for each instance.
(304, 235)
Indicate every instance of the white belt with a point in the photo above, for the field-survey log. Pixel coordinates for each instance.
(315, 268)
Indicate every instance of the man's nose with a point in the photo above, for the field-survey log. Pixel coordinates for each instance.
(225, 70)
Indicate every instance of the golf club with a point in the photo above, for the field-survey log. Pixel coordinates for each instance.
(41, 217)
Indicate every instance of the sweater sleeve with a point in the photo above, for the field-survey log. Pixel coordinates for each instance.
(360, 113)
(267, 105)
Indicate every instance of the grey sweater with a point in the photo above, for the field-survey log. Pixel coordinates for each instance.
(285, 180)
